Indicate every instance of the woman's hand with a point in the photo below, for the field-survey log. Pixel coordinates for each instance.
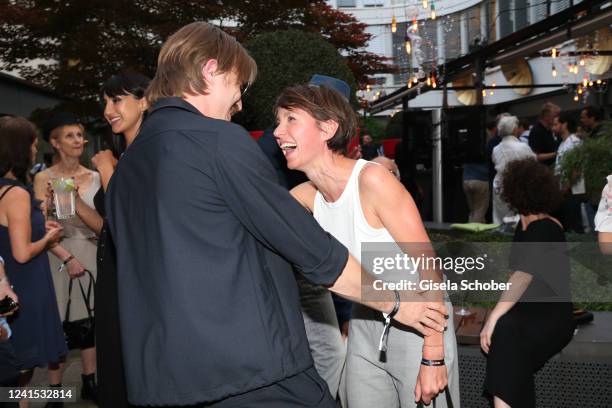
(487, 332)
(54, 232)
(430, 382)
(104, 160)
(75, 268)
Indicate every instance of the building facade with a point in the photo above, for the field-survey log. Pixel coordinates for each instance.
(440, 31)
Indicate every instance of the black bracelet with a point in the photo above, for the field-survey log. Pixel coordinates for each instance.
(70, 258)
(432, 363)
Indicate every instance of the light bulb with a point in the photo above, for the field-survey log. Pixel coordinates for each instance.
(554, 71)
(554, 53)
(433, 14)
(434, 84)
(428, 81)
(599, 82)
(424, 4)
(591, 83)
(492, 93)
(582, 62)
(416, 80)
(576, 99)
(484, 93)
(393, 24)
(410, 83)
(408, 46)
(580, 91)
(585, 81)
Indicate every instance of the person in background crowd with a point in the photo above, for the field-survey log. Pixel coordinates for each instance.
(388, 164)
(580, 132)
(574, 193)
(77, 249)
(592, 118)
(209, 310)
(9, 366)
(476, 184)
(369, 149)
(37, 336)
(508, 150)
(476, 189)
(524, 129)
(541, 139)
(603, 218)
(532, 321)
(124, 109)
(406, 164)
(325, 315)
(359, 202)
(493, 139)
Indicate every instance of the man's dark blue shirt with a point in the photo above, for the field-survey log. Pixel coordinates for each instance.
(205, 238)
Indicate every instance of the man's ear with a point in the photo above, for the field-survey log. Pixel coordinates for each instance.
(328, 129)
(209, 70)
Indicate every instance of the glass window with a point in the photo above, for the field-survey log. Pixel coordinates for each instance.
(473, 26)
(373, 3)
(400, 58)
(504, 18)
(346, 3)
(452, 35)
(521, 14)
(539, 10)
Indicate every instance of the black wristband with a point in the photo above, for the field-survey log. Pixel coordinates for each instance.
(432, 363)
(70, 258)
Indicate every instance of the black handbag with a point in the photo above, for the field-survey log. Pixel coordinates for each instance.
(80, 333)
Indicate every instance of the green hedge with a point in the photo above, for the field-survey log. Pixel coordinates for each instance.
(286, 58)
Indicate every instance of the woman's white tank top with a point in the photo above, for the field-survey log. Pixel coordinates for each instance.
(344, 218)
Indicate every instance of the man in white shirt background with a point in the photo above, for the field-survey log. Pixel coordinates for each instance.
(509, 149)
(564, 127)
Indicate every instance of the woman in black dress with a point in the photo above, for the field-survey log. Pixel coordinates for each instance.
(125, 108)
(37, 337)
(533, 319)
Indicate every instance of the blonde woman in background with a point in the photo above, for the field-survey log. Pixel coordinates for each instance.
(77, 250)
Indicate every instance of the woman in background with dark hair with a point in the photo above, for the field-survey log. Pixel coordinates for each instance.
(532, 321)
(124, 110)
(37, 336)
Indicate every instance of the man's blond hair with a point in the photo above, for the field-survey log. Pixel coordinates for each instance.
(184, 54)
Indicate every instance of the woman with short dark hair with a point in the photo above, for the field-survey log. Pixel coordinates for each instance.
(37, 336)
(532, 321)
(125, 107)
(360, 202)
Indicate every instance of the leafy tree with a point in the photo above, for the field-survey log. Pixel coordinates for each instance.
(375, 127)
(286, 58)
(592, 159)
(72, 46)
(342, 30)
(81, 43)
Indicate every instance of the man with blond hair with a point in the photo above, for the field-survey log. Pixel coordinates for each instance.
(208, 304)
